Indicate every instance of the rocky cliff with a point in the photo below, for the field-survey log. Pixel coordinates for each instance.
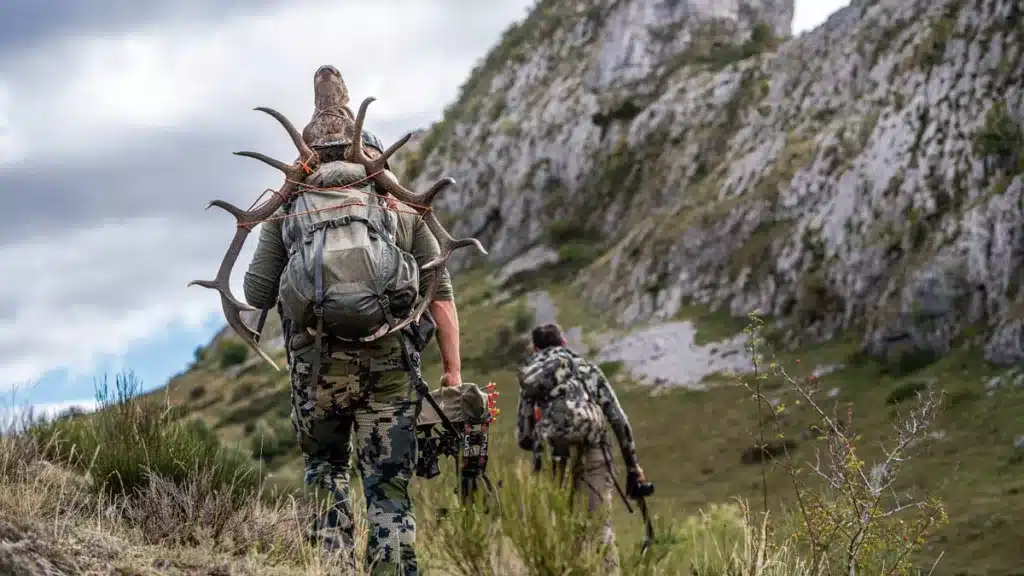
(865, 176)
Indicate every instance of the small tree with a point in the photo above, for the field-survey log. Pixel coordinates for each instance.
(1001, 138)
(232, 353)
(859, 523)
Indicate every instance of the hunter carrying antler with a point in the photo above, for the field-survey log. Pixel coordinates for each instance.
(355, 264)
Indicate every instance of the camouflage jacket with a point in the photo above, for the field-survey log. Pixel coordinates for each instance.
(598, 388)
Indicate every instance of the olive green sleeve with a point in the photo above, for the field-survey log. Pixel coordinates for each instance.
(424, 249)
(268, 261)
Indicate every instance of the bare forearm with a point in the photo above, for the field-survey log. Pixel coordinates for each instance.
(446, 316)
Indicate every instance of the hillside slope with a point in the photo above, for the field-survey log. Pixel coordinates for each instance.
(646, 172)
(865, 175)
(692, 443)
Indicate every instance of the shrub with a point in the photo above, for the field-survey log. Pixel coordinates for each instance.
(524, 320)
(575, 255)
(232, 353)
(906, 391)
(610, 369)
(130, 438)
(857, 524)
(568, 230)
(762, 38)
(272, 441)
(197, 392)
(547, 533)
(1001, 137)
(245, 391)
(467, 539)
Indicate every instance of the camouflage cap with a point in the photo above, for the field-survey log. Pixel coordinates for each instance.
(333, 122)
(462, 403)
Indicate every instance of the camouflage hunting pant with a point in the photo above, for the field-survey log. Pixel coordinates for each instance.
(364, 396)
(592, 477)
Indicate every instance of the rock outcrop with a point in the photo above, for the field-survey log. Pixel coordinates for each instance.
(864, 176)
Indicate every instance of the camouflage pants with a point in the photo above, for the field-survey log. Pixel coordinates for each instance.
(592, 478)
(364, 396)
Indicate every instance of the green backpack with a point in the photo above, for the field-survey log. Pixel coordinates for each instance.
(345, 277)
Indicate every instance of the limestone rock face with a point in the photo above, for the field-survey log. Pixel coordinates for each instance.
(866, 175)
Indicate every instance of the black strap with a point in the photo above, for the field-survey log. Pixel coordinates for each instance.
(538, 452)
(318, 304)
(648, 526)
(385, 308)
(641, 502)
(342, 221)
(608, 464)
(261, 322)
(421, 388)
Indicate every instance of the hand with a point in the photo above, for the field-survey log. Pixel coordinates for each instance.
(638, 472)
(637, 485)
(451, 379)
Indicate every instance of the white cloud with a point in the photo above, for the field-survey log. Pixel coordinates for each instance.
(810, 14)
(127, 290)
(83, 95)
(8, 146)
(15, 416)
(91, 292)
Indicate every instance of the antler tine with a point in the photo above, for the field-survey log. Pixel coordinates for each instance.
(246, 220)
(394, 148)
(266, 160)
(358, 153)
(300, 144)
(231, 306)
(420, 202)
(447, 242)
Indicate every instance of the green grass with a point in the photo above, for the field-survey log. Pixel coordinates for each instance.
(691, 443)
(711, 326)
(188, 523)
(127, 441)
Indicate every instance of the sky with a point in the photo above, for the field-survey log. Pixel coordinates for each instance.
(117, 119)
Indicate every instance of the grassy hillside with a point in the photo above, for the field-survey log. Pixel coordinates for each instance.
(692, 443)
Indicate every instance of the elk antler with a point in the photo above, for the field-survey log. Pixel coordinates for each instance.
(247, 219)
(420, 202)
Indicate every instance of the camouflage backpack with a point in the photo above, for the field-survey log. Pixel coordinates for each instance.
(345, 274)
(554, 380)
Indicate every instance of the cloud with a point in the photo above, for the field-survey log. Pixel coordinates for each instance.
(99, 290)
(87, 95)
(116, 127)
(113, 143)
(7, 148)
(15, 417)
(811, 13)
